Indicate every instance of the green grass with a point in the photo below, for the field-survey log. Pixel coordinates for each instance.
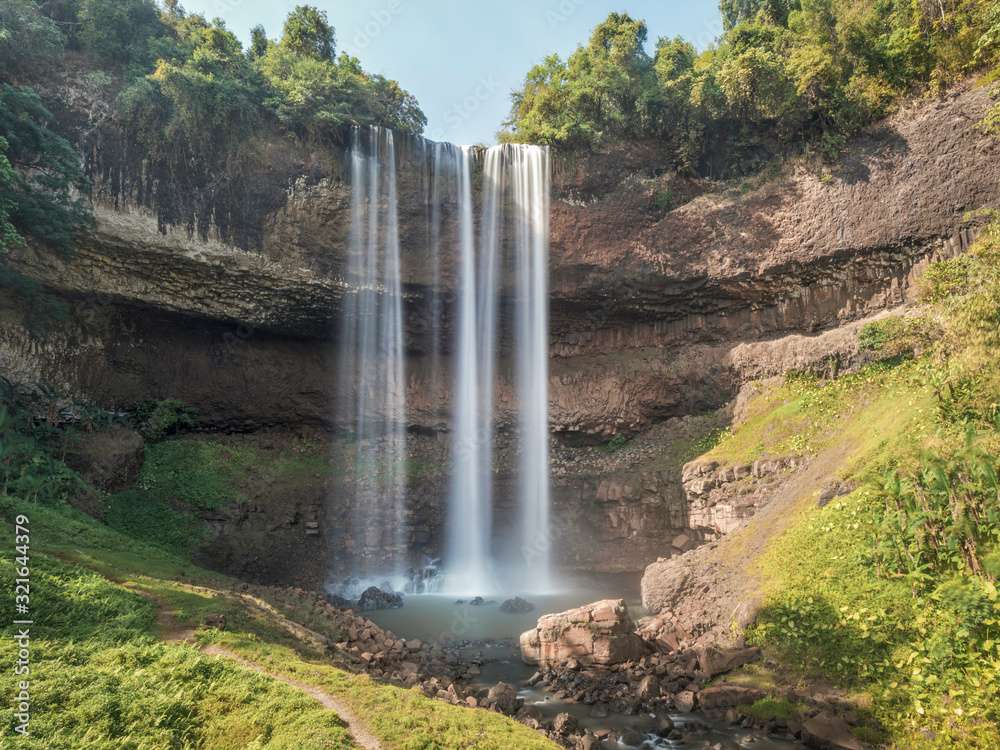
(185, 476)
(403, 719)
(875, 594)
(804, 414)
(768, 709)
(102, 679)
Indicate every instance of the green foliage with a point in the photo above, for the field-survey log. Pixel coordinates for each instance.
(938, 517)
(768, 709)
(151, 518)
(616, 443)
(28, 470)
(735, 12)
(119, 32)
(30, 42)
(663, 200)
(812, 71)
(606, 89)
(316, 97)
(193, 473)
(9, 236)
(42, 175)
(159, 419)
(308, 33)
(896, 336)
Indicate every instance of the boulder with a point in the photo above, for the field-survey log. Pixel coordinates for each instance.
(649, 688)
(110, 459)
(715, 661)
(599, 634)
(825, 730)
(516, 606)
(664, 583)
(375, 598)
(503, 697)
(685, 701)
(564, 724)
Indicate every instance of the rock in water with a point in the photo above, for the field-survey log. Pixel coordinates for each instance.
(601, 634)
(516, 606)
(503, 697)
(564, 724)
(375, 598)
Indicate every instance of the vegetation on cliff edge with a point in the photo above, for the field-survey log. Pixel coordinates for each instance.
(785, 73)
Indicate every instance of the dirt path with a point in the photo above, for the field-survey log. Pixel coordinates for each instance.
(359, 732)
(172, 630)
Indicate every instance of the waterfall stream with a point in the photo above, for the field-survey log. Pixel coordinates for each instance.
(372, 382)
(487, 223)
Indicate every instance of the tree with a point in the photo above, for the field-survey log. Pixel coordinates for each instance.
(258, 43)
(118, 32)
(308, 33)
(9, 236)
(30, 42)
(674, 58)
(607, 88)
(735, 12)
(42, 178)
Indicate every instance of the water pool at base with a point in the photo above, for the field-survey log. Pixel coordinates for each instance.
(487, 634)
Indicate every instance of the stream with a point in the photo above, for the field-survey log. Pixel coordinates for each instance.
(489, 637)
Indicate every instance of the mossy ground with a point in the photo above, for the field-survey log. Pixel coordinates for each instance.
(104, 677)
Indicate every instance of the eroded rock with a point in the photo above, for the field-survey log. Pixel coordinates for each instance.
(601, 633)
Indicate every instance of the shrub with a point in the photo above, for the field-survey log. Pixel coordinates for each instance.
(159, 419)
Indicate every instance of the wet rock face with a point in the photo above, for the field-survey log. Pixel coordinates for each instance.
(596, 634)
(108, 459)
(373, 598)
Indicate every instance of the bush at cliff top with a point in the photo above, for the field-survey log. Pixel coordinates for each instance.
(786, 70)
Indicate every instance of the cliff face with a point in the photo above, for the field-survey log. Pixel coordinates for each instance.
(656, 314)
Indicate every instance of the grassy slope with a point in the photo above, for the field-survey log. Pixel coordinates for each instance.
(919, 648)
(103, 679)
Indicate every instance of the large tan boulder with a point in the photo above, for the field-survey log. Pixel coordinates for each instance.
(600, 634)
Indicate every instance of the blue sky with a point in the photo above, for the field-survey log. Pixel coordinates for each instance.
(462, 59)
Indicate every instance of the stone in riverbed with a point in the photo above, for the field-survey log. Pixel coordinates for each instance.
(516, 606)
(685, 701)
(375, 598)
(503, 697)
(596, 634)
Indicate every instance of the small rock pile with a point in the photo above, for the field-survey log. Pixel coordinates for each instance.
(350, 638)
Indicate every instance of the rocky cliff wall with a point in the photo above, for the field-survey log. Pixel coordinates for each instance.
(656, 314)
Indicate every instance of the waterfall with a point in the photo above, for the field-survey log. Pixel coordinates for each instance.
(489, 240)
(372, 384)
(530, 177)
(514, 212)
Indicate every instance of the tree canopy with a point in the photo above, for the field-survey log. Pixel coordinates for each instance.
(809, 71)
(192, 109)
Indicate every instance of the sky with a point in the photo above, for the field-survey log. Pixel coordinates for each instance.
(461, 59)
